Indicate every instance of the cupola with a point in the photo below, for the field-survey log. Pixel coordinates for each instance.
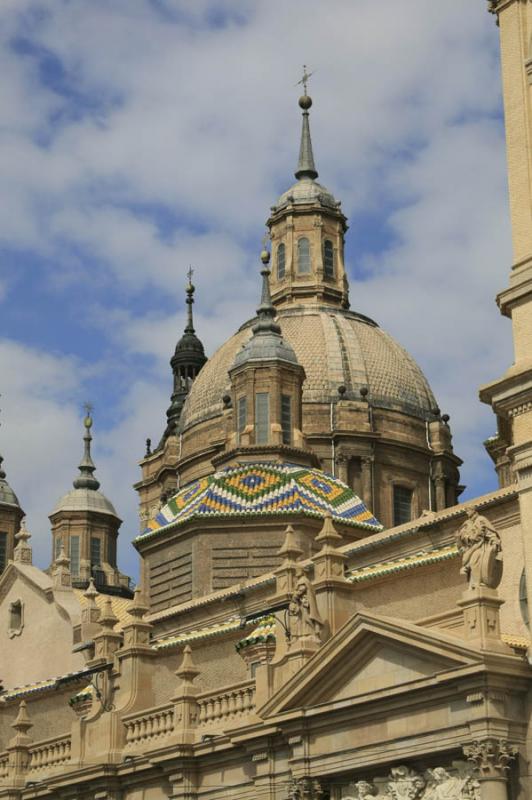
(307, 230)
(11, 515)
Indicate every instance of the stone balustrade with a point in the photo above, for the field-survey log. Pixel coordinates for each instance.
(142, 729)
(50, 753)
(234, 702)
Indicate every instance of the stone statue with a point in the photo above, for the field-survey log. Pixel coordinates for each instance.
(365, 790)
(303, 609)
(441, 785)
(481, 550)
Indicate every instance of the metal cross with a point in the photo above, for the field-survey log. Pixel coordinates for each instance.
(304, 79)
(266, 239)
(190, 273)
(88, 408)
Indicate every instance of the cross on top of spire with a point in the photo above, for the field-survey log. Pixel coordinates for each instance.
(304, 79)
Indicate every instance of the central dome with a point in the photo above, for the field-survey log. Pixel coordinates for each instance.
(336, 347)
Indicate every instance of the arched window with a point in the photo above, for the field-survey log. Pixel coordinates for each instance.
(303, 255)
(281, 260)
(328, 259)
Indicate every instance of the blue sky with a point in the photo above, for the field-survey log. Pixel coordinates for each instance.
(139, 137)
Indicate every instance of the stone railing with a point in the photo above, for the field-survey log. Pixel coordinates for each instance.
(232, 703)
(50, 753)
(141, 729)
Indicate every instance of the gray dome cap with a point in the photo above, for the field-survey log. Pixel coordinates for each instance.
(307, 191)
(7, 495)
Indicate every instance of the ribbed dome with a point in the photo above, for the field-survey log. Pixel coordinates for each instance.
(307, 191)
(85, 500)
(335, 347)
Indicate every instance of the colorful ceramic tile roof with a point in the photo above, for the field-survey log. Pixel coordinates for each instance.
(46, 685)
(400, 564)
(228, 626)
(516, 642)
(264, 633)
(267, 489)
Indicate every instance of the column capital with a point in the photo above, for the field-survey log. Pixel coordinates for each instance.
(491, 757)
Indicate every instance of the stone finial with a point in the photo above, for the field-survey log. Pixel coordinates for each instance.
(480, 546)
(90, 612)
(289, 549)
(328, 536)
(62, 579)
(108, 618)
(187, 670)
(22, 723)
(23, 551)
(138, 608)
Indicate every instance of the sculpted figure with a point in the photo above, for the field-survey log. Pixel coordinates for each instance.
(365, 790)
(303, 609)
(480, 546)
(444, 786)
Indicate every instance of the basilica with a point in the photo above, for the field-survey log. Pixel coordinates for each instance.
(317, 615)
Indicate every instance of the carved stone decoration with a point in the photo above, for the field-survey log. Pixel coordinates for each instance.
(365, 790)
(305, 789)
(306, 622)
(491, 757)
(441, 785)
(405, 784)
(480, 547)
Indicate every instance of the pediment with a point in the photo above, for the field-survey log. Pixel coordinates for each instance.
(370, 655)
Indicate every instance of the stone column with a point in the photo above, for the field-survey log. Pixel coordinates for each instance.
(439, 482)
(367, 488)
(186, 709)
(491, 758)
(19, 748)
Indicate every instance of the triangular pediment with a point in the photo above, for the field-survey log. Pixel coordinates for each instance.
(370, 655)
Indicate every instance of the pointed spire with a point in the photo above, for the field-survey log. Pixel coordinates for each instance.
(190, 300)
(22, 723)
(305, 165)
(86, 466)
(266, 311)
(187, 670)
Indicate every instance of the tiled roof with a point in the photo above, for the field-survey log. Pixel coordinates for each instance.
(400, 564)
(264, 633)
(45, 685)
(228, 626)
(264, 490)
(516, 642)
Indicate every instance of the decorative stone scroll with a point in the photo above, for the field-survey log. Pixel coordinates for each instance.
(491, 757)
(481, 551)
(456, 782)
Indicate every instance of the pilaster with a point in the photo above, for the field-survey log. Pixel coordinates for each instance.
(186, 709)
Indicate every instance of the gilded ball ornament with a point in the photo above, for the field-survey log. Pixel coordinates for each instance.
(305, 102)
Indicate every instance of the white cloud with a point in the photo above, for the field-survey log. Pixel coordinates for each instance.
(166, 143)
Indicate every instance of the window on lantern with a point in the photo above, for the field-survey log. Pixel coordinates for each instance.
(96, 551)
(3, 551)
(242, 415)
(303, 255)
(281, 261)
(328, 259)
(262, 417)
(286, 418)
(402, 504)
(74, 555)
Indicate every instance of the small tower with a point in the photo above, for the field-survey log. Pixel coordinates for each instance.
(267, 384)
(11, 516)
(307, 229)
(188, 359)
(85, 525)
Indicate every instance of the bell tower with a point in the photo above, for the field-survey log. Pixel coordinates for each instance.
(307, 230)
(511, 395)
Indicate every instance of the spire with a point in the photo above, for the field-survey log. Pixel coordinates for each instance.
(305, 165)
(266, 311)
(190, 300)
(86, 466)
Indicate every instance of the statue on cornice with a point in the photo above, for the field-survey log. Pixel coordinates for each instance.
(481, 551)
(303, 609)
